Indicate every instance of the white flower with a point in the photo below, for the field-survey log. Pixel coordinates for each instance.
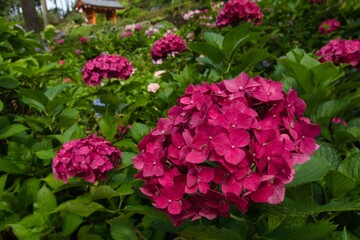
(157, 74)
(153, 87)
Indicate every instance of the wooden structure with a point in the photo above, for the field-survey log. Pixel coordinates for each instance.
(91, 7)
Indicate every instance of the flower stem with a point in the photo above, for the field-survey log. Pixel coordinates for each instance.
(240, 219)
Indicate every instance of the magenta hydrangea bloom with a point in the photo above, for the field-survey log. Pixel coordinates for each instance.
(88, 158)
(341, 51)
(106, 66)
(236, 11)
(234, 142)
(329, 26)
(168, 45)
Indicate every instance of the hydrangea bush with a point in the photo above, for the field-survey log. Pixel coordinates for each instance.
(329, 26)
(236, 11)
(88, 158)
(341, 51)
(106, 66)
(234, 142)
(170, 44)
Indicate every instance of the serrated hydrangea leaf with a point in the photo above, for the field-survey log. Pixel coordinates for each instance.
(45, 201)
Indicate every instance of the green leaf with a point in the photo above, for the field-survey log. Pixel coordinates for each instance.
(102, 192)
(312, 231)
(51, 181)
(329, 153)
(214, 39)
(8, 82)
(81, 207)
(330, 108)
(138, 131)
(3, 179)
(11, 130)
(208, 50)
(108, 126)
(250, 58)
(122, 231)
(311, 171)
(131, 85)
(147, 211)
(125, 189)
(126, 144)
(45, 202)
(300, 73)
(209, 233)
(84, 233)
(338, 184)
(28, 191)
(34, 98)
(23, 233)
(126, 159)
(234, 38)
(46, 154)
(71, 222)
(1, 105)
(52, 92)
(326, 73)
(296, 208)
(351, 166)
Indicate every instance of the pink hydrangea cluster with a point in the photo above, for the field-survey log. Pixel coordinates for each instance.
(234, 142)
(329, 26)
(106, 66)
(170, 44)
(192, 13)
(235, 11)
(88, 158)
(83, 39)
(341, 51)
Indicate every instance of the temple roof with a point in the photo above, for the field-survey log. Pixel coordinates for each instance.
(100, 3)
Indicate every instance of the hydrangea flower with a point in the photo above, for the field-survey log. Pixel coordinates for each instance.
(329, 26)
(106, 66)
(126, 34)
(83, 39)
(168, 45)
(234, 142)
(236, 11)
(88, 158)
(153, 87)
(341, 51)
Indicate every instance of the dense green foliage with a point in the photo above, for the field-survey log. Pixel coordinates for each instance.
(44, 103)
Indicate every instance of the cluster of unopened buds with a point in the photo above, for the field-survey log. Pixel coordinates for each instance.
(170, 44)
(89, 158)
(236, 11)
(234, 142)
(106, 66)
(341, 51)
(329, 26)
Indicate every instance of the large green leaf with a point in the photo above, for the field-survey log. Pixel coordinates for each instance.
(34, 98)
(351, 166)
(71, 222)
(214, 39)
(102, 192)
(46, 154)
(1, 105)
(250, 58)
(28, 191)
(45, 201)
(138, 131)
(296, 208)
(8, 81)
(126, 159)
(330, 108)
(81, 207)
(234, 38)
(300, 73)
(208, 50)
(313, 231)
(122, 231)
(338, 184)
(11, 130)
(313, 170)
(326, 73)
(108, 126)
